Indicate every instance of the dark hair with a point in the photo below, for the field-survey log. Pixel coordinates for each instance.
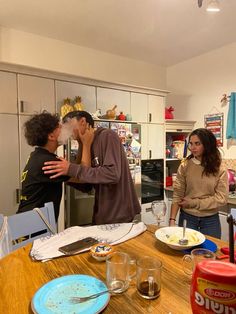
(39, 127)
(78, 115)
(211, 158)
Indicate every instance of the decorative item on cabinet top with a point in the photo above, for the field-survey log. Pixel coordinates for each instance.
(66, 107)
(78, 104)
(168, 113)
(69, 105)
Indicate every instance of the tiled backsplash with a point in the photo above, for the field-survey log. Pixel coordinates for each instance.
(229, 163)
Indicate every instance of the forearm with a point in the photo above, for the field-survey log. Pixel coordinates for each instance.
(173, 213)
(215, 201)
(86, 156)
(96, 175)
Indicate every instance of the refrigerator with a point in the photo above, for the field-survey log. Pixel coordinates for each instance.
(79, 205)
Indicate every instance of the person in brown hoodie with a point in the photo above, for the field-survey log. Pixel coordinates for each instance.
(104, 166)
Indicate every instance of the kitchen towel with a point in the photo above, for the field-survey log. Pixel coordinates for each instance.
(231, 119)
(47, 248)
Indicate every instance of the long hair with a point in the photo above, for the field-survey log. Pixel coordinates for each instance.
(211, 158)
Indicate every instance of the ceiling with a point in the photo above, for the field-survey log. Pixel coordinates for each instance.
(163, 32)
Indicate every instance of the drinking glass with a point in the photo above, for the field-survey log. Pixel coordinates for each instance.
(118, 271)
(159, 210)
(149, 277)
(190, 261)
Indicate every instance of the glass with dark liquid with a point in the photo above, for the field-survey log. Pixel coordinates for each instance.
(149, 277)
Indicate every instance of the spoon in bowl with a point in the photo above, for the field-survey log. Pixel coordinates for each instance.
(184, 241)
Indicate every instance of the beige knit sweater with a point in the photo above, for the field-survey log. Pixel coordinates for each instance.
(206, 194)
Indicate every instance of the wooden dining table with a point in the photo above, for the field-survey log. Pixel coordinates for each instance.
(20, 277)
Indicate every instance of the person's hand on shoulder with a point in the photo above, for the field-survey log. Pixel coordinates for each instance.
(57, 168)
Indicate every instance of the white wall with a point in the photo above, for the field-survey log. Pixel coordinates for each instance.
(197, 86)
(27, 49)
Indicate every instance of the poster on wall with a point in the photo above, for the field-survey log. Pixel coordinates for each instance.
(214, 123)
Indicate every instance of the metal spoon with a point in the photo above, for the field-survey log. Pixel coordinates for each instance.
(184, 241)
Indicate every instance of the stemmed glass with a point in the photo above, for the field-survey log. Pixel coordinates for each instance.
(159, 210)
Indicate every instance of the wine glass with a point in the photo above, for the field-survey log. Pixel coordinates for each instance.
(159, 210)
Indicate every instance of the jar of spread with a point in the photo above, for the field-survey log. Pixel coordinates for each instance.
(213, 288)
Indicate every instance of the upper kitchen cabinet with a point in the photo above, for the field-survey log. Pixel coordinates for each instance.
(35, 94)
(8, 92)
(156, 109)
(71, 90)
(107, 98)
(139, 107)
(147, 108)
(9, 166)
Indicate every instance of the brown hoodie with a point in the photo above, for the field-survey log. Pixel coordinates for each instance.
(115, 197)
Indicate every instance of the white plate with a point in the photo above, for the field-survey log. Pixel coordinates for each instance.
(163, 235)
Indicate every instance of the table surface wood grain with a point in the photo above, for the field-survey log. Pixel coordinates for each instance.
(20, 278)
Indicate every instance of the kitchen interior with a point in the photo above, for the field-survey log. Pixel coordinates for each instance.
(42, 64)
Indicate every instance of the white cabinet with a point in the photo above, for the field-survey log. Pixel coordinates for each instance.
(139, 107)
(35, 94)
(147, 108)
(71, 90)
(152, 140)
(156, 109)
(107, 98)
(179, 126)
(8, 92)
(9, 166)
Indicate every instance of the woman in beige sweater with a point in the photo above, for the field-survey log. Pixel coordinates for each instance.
(201, 186)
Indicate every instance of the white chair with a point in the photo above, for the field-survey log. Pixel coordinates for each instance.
(29, 225)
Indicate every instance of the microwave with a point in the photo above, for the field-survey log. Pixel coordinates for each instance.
(152, 180)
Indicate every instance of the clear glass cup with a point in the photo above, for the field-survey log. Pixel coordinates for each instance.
(149, 277)
(159, 210)
(197, 255)
(119, 271)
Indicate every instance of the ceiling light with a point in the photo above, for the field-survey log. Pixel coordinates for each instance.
(213, 6)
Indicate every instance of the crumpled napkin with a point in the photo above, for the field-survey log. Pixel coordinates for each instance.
(46, 248)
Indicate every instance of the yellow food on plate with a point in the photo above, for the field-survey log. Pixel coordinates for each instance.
(191, 236)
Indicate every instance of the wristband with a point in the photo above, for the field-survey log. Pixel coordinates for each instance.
(172, 219)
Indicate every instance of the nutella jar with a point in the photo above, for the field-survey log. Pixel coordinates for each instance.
(213, 288)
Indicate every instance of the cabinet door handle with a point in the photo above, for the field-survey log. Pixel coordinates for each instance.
(150, 117)
(150, 154)
(21, 106)
(18, 193)
(179, 130)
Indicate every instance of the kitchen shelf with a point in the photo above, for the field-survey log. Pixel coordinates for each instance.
(172, 159)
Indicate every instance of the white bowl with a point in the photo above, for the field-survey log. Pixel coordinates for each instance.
(164, 235)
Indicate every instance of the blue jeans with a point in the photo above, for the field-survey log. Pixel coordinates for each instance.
(209, 225)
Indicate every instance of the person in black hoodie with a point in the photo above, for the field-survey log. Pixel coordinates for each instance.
(43, 131)
(106, 169)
